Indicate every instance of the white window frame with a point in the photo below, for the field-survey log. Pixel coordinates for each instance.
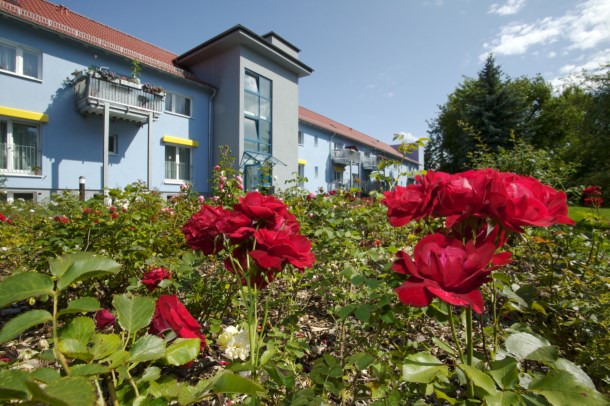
(10, 148)
(172, 96)
(19, 49)
(301, 139)
(177, 179)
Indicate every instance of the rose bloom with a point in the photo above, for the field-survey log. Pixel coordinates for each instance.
(463, 195)
(202, 229)
(170, 314)
(103, 318)
(444, 267)
(516, 201)
(276, 248)
(235, 343)
(414, 201)
(267, 212)
(152, 278)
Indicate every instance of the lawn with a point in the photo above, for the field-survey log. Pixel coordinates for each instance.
(578, 213)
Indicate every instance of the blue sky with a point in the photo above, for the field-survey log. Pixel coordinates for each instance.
(383, 67)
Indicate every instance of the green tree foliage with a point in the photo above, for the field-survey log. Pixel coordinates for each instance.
(589, 145)
(492, 107)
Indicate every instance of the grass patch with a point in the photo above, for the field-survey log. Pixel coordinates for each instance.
(578, 213)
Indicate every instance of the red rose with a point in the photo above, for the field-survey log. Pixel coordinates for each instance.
(266, 212)
(202, 229)
(103, 318)
(517, 201)
(152, 278)
(276, 248)
(170, 314)
(463, 195)
(414, 201)
(446, 268)
(2, 218)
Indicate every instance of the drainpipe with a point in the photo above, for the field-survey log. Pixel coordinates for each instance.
(210, 133)
(105, 146)
(330, 156)
(149, 153)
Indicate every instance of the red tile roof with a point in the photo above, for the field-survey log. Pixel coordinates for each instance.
(327, 124)
(61, 20)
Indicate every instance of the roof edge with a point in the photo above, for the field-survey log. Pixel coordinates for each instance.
(240, 28)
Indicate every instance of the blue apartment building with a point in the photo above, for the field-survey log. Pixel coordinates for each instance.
(82, 102)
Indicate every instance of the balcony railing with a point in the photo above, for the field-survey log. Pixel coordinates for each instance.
(370, 163)
(126, 100)
(345, 157)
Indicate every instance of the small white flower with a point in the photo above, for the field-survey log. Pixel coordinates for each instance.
(236, 343)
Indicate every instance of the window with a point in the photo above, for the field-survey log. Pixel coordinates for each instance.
(338, 145)
(20, 61)
(177, 163)
(315, 172)
(301, 141)
(257, 113)
(315, 141)
(177, 104)
(19, 147)
(113, 144)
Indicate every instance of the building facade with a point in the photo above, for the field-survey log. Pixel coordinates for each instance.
(82, 102)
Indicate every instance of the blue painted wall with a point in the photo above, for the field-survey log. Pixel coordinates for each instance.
(72, 145)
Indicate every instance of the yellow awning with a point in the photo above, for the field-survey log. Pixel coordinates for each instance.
(23, 114)
(302, 162)
(180, 141)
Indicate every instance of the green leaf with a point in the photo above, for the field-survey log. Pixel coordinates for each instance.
(182, 351)
(363, 312)
(444, 346)
(283, 377)
(117, 358)
(227, 382)
(579, 375)
(88, 370)
(562, 388)
(24, 321)
(361, 360)
(147, 348)
(80, 329)
(505, 372)
(423, 367)
(530, 347)
(75, 336)
(66, 391)
(481, 380)
(12, 384)
(150, 374)
(505, 399)
(345, 311)
(104, 345)
(72, 268)
(45, 375)
(85, 304)
(133, 313)
(23, 286)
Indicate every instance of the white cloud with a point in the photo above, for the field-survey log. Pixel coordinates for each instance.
(407, 136)
(584, 27)
(389, 94)
(510, 7)
(573, 73)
